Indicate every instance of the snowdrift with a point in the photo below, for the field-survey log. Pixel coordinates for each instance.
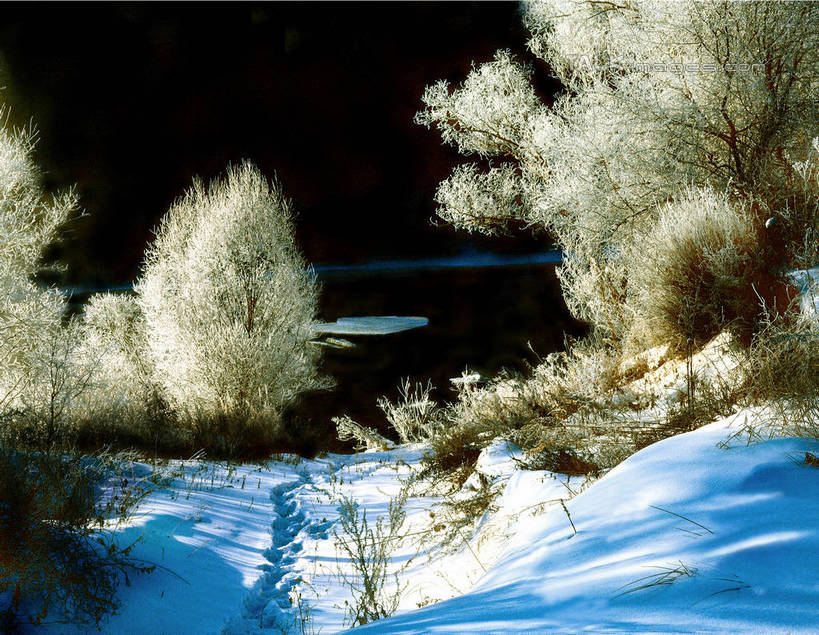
(689, 534)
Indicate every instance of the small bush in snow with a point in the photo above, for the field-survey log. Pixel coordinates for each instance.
(780, 371)
(369, 547)
(415, 416)
(364, 437)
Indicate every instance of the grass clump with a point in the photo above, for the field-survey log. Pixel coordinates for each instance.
(714, 266)
(58, 562)
(780, 374)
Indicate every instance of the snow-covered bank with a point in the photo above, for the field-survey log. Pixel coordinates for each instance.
(686, 535)
(683, 536)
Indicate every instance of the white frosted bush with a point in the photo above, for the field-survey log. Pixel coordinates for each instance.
(114, 334)
(227, 300)
(414, 416)
(29, 317)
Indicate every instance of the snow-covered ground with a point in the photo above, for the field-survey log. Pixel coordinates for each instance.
(689, 534)
(684, 536)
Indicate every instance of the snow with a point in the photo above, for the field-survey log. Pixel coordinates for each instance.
(806, 280)
(705, 531)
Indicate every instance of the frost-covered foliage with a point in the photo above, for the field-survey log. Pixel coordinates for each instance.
(227, 299)
(414, 416)
(28, 219)
(659, 97)
(124, 383)
(31, 327)
(365, 438)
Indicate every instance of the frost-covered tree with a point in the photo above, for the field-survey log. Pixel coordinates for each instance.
(659, 97)
(227, 300)
(30, 316)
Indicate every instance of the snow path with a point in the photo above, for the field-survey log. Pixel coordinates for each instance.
(270, 603)
(209, 532)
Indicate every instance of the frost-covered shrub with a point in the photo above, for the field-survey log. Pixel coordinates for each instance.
(365, 438)
(711, 265)
(228, 299)
(124, 403)
(414, 416)
(60, 377)
(114, 328)
(51, 563)
(29, 317)
(659, 97)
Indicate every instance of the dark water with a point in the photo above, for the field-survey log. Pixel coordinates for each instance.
(482, 318)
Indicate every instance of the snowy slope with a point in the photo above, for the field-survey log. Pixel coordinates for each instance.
(742, 555)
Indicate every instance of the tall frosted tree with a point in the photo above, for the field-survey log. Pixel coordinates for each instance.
(227, 300)
(660, 99)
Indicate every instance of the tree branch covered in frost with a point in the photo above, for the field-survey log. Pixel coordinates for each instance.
(466, 196)
(659, 97)
(28, 220)
(487, 116)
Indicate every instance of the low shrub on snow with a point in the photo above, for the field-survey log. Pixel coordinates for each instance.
(781, 371)
(414, 416)
(368, 546)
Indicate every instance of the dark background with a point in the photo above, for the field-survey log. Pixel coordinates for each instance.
(133, 100)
